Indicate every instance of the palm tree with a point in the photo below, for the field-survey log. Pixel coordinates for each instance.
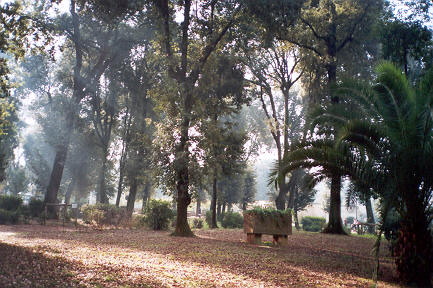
(382, 138)
(396, 134)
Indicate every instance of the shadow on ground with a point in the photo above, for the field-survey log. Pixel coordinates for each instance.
(308, 258)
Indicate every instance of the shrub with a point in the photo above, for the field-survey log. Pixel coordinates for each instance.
(313, 224)
(208, 218)
(232, 220)
(158, 214)
(9, 217)
(270, 212)
(103, 214)
(349, 220)
(10, 203)
(197, 223)
(36, 207)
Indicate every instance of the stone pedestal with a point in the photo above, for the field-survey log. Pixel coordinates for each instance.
(281, 240)
(255, 226)
(253, 238)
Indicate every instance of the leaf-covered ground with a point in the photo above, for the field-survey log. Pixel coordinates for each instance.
(48, 256)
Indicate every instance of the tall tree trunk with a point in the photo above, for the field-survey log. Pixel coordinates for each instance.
(69, 191)
(131, 197)
(223, 210)
(280, 201)
(414, 247)
(291, 200)
(405, 60)
(102, 196)
(198, 207)
(244, 206)
(295, 212)
(124, 154)
(146, 192)
(119, 185)
(214, 203)
(219, 206)
(335, 225)
(370, 214)
(62, 150)
(182, 176)
(55, 180)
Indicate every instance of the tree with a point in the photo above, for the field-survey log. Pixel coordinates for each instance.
(405, 41)
(275, 67)
(138, 75)
(396, 132)
(329, 30)
(249, 188)
(301, 187)
(17, 180)
(108, 47)
(222, 92)
(38, 156)
(104, 113)
(186, 58)
(14, 31)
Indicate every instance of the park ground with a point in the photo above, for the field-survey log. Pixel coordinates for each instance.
(54, 256)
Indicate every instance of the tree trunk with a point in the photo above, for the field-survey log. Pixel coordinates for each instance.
(102, 193)
(131, 197)
(198, 207)
(223, 210)
(295, 212)
(146, 192)
(244, 206)
(182, 183)
(335, 225)
(219, 206)
(62, 150)
(55, 179)
(280, 201)
(119, 186)
(414, 247)
(182, 171)
(214, 203)
(183, 200)
(69, 191)
(370, 214)
(405, 60)
(332, 78)
(291, 200)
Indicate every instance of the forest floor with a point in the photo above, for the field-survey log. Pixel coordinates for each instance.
(54, 256)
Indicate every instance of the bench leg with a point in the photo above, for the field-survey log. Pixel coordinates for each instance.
(280, 240)
(253, 238)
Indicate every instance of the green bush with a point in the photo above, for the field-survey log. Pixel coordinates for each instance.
(158, 214)
(197, 223)
(232, 220)
(270, 212)
(313, 224)
(208, 218)
(103, 214)
(36, 207)
(9, 217)
(10, 203)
